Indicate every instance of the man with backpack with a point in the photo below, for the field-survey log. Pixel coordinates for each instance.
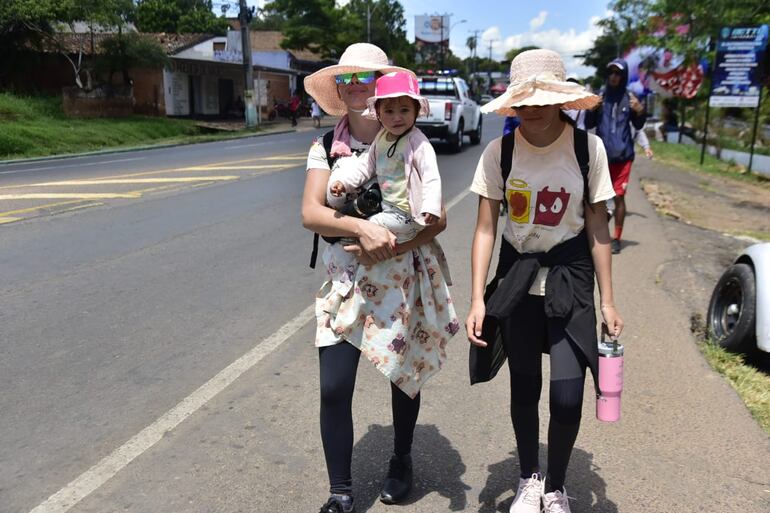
(614, 118)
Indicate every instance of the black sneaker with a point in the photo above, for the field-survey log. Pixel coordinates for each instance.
(615, 246)
(339, 504)
(398, 482)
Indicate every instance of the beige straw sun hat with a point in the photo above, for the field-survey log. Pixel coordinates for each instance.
(538, 78)
(357, 57)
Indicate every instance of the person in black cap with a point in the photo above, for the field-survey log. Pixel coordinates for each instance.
(619, 112)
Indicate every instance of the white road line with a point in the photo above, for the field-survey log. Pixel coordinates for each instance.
(96, 476)
(100, 473)
(70, 165)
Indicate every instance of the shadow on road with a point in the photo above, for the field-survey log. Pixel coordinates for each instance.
(437, 467)
(503, 478)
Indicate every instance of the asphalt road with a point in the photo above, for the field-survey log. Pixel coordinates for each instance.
(156, 356)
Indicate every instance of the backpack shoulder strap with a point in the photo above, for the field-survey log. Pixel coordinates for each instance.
(506, 154)
(328, 138)
(581, 154)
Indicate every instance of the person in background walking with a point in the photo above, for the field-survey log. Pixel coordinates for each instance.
(315, 112)
(294, 102)
(619, 112)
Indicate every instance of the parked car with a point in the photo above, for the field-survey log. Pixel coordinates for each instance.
(453, 113)
(739, 311)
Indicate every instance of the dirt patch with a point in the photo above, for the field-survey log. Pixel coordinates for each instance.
(711, 202)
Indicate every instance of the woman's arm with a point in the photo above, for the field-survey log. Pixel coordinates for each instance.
(425, 236)
(598, 232)
(481, 254)
(317, 217)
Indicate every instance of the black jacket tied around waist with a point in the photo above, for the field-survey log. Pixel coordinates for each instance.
(569, 297)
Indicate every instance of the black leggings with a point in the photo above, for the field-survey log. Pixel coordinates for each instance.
(339, 364)
(525, 334)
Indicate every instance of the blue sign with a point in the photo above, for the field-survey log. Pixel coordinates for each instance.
(736, 79)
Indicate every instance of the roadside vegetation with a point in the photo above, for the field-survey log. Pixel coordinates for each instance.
(688, 157)
(748, 375)
(751, 384)
(36, 126)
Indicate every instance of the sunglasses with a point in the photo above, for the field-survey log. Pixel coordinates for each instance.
(363, 77)
(616, 72)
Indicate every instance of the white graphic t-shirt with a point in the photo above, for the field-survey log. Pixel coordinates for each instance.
(544, 192)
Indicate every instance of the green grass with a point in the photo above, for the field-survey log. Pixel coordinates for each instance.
(752, 385)
(688, 157)
(36, 126)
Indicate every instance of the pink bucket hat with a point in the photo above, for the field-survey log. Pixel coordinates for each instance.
(393, 85)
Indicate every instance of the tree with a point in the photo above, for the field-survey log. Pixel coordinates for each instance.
(178, 16)
(322, 27)
(268, 21)
(123, 52)
(43, 22)
(310, 24)
(513, 52)
(387, 28)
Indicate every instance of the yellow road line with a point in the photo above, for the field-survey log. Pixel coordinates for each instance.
(35, 209)
(70, 195)
(183, 179)
(5, 220)
(80, 207)
(298, 157)
(205, 167)
(227, 168)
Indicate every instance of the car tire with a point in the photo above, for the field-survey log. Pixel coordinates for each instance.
(457, 140)
(476, 136)
(732, 309)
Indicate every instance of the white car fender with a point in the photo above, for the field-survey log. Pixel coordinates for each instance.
(758, 256)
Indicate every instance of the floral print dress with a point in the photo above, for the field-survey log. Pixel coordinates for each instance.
(398, 313)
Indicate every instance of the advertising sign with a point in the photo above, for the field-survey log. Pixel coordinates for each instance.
(736, 78)
(428, 29)
(431, 39)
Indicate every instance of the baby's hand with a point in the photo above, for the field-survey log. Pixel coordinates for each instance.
(337, 189)
(429, 219)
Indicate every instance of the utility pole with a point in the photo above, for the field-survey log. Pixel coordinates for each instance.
(475, 52)
(369, 12)
(489, 87)
(248, 71)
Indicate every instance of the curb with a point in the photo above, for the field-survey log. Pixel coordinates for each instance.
(134, 148)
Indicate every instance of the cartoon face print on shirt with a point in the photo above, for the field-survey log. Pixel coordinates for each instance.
(550, 207)
(518, 200)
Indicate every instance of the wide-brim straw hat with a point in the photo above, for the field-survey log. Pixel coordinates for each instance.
(358, 57)
(393, 85)
(538, 78)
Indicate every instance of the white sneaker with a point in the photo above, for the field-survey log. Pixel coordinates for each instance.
(556, 502)
(528, 495)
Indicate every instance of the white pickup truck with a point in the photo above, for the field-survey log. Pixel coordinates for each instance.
(453, 113)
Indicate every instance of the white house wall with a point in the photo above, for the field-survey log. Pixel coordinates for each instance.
(176, 89)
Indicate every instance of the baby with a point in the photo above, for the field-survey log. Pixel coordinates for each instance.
(401, 158)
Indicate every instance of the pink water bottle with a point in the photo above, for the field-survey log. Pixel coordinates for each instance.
(610, 381)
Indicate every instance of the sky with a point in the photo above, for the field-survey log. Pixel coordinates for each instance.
(567, 27)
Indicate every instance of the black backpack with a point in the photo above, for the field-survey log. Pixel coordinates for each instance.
(581, 154)
(328, 138)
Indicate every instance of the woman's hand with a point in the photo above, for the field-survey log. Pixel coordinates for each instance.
(613, 323)
(363, 257)
(377, 241)
(474, 323)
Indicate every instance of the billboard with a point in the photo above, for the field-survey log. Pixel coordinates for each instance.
(737, 72)
(431, 38)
